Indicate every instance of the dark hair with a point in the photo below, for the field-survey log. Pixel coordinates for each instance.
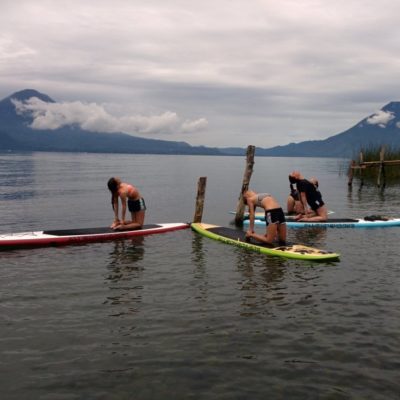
(292, 179)
(113, 187)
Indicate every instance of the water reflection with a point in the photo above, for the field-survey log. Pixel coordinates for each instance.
(312, 236)
(200, 276)
(16, 177)
(125, 275)
(261, 282)
(373, 200)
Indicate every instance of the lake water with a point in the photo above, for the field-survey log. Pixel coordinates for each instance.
(178, 316)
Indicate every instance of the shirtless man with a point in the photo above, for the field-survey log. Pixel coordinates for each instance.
(274, 217)
(130, 195)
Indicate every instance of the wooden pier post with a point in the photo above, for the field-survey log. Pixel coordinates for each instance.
(381, 172)
(361, 169)
(201, 191)
(245, 184)
(351, 173)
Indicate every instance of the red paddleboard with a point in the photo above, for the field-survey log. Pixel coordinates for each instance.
(75, 236)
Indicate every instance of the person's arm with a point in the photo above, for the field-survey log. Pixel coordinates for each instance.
(115, 208)
(123, 208)
(251, 206)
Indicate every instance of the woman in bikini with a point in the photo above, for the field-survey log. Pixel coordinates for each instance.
(274, 217)
(130, 195)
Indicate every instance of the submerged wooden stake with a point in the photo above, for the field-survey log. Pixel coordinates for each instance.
(351, 172)
(361, 171)
(245, 185)
(381, 172)
(201, 191)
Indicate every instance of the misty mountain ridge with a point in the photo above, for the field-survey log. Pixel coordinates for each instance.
(16, 134)
(381, 128)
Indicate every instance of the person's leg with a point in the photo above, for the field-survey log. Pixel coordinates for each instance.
(270, 234)
(290, 205)
(298, 207)
(282, 233)
(138, 217)
(136, 223)
(321, 215)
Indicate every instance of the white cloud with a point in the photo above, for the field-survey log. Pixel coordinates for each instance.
(194, 126)
(94, 118)
(381, 118)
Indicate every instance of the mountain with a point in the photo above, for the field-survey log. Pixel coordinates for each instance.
(382, 128)
(17, 135)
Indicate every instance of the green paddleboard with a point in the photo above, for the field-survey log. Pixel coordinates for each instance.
(238, 238)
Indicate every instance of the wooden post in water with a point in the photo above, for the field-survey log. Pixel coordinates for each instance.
(351, 172)
(361, 169)
(201, 191)
(245, 185)
(381, 173)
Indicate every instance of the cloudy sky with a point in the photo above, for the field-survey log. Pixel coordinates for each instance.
(211, 72)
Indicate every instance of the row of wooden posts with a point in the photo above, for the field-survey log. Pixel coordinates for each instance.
(201, 190)
(362, 165)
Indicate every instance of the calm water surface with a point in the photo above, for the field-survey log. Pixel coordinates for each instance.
(178, 316)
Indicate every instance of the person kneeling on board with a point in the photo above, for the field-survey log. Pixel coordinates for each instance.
(309, 196)
(136, 205)
(274, 217)
(293, 204)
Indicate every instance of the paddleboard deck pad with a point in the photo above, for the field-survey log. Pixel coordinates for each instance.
(238, 238)
(367, 222)
(75, 236)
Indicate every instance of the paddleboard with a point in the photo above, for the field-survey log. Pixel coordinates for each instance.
(337, 223)
(75, 236)
(238, 238)
(261, 215)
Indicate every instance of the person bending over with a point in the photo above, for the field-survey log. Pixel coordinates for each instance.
(130, 195)
(311, 197)
(274, 217)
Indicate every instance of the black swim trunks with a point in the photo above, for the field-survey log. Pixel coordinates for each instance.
(136, 205)
(275, 216)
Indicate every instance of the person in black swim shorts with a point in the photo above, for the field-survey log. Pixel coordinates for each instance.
(310, 197)
(130, 195)
(274, 217)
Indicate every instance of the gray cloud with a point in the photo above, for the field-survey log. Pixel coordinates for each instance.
(258, 72)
